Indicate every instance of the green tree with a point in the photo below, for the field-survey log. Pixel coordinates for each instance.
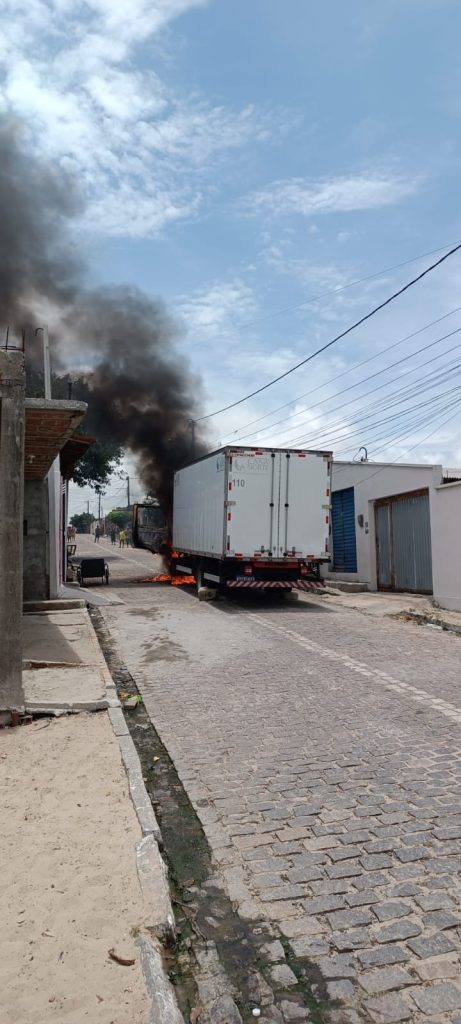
(103, 457)
(82, 521)
(120, 517)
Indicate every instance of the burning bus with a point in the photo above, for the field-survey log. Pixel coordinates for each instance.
(150, 528)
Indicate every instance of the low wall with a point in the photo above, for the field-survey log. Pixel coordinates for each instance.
(446, 545)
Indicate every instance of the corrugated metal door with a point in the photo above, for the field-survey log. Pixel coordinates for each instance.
(383, 545)
(343, 530)
(403, 543)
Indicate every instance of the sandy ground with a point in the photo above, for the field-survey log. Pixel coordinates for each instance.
(381, 604)
(69, 885)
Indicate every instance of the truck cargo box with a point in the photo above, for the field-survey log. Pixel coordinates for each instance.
(247, 502)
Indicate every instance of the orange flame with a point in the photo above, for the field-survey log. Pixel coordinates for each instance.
(164, 577)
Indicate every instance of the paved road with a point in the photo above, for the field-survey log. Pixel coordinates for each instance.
(321, 748)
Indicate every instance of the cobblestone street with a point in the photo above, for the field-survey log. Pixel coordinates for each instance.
(321, 748)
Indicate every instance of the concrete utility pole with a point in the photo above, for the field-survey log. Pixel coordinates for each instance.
(192, 437)
(12, 391)
(128, 503)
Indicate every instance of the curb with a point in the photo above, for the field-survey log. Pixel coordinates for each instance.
(164, 1007)
(151, 868)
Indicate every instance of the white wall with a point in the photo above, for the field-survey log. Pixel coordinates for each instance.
(371, 481)
(446, 545)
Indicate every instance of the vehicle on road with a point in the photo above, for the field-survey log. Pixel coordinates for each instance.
(254, 518)
(150, 528)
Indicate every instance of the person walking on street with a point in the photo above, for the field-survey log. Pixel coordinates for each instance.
(113, 535)
(97, 534)
(122, 538)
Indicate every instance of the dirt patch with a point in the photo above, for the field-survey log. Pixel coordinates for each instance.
(144, 613)
(166, 650)
(434, 620)
(70, 890)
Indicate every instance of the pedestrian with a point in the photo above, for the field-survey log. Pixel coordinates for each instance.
(97, 534)
(122, 538)
(113, 535)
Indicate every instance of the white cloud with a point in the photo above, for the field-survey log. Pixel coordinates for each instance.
(310, 197)
(144, 155)
(216, 311)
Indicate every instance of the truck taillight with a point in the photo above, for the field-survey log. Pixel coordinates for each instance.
(247, 570)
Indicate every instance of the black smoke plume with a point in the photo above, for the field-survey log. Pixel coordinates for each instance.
(143, 395)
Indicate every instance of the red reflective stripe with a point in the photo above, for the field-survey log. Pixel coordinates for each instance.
(230, 486)
(261, 585)
(229, 517)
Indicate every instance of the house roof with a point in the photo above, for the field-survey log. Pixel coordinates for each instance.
(74, 449)
(49, 425)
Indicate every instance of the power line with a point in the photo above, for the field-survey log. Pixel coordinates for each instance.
(341, 288)
(338, 337)
(379, 387)
(350, 369)
(336, 431)
(364, 380)
(403, 454)
(412, 424)
(453, 404)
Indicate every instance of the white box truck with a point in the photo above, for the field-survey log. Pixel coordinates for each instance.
(254, 518)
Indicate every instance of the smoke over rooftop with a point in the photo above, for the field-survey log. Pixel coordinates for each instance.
(143, 394)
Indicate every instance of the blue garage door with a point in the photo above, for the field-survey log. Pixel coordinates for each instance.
(343, 527)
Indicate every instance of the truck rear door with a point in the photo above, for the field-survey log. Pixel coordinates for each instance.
(253, 502)
(304, 504)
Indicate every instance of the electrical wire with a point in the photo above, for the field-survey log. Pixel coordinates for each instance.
(350, 369)
(384, 402)
(364, 380)
(403, 454)
(410, 426)
(336, 431)
(363, 319)
(342, 288)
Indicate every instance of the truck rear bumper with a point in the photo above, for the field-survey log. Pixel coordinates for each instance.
(276, 584)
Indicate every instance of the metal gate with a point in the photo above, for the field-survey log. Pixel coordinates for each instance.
(343, 530)
(403, 543)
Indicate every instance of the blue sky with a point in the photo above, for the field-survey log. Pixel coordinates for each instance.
(239, 159)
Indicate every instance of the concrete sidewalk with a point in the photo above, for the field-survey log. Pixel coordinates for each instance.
(86, 902)
(64, 669)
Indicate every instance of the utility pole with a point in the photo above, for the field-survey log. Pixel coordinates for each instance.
(128, 502)
(54, 479)
(88, 507)
(12, 387)
(192, 437)
(99, 507)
